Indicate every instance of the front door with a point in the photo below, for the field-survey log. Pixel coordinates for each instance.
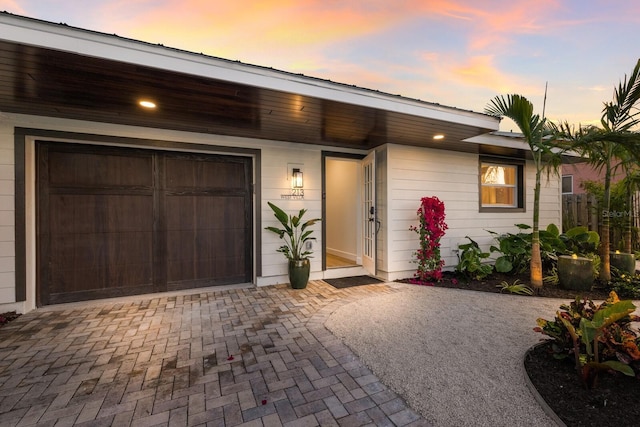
(369, 219)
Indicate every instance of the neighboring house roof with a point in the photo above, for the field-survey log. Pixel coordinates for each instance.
(56, 70)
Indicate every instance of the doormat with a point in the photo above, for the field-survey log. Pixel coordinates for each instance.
(347, 282)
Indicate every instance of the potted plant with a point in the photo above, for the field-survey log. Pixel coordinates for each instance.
(295, 235)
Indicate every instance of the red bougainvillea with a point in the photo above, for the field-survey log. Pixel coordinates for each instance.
(431, 229)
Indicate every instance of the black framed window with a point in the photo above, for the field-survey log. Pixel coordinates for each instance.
(501, 184)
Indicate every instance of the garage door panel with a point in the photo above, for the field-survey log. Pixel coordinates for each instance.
(103, 254)
(69, 168)
(198, 172)
(200, 212)
(180, 213)
(117, 221)
(89, 279)
(220, 212)
(203, 243)
(82, 213)
(228, 266)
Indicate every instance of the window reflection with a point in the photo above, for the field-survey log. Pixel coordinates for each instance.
(499, 185)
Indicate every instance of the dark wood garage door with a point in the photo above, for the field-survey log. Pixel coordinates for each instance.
(118, 221)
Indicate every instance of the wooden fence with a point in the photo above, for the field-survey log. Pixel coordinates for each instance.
(579, 210)
(582, 210)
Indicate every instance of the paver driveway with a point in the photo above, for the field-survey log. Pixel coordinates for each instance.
(252, 356)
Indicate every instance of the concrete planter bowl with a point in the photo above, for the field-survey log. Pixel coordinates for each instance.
(624, 262)
(575, 273)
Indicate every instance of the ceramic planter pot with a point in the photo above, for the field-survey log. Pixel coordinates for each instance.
(575, 273)
(299, 273)
(624, 262)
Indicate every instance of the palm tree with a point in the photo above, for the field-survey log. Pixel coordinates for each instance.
(537, 135)
(608, 147)
(632, 185)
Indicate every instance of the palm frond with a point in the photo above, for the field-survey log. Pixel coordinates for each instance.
(619, 113)
(520, 110)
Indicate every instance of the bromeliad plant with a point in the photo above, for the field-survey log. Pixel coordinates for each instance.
(600, 338)
(294, 233)
(431, 229)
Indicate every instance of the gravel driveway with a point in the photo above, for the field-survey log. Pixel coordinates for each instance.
(456, 356)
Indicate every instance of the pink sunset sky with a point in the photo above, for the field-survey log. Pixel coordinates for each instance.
(459, 53)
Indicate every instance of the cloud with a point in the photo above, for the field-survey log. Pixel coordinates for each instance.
(595, 88)
(250, 25)
(490, 26)
(12, 6)
(481, 71)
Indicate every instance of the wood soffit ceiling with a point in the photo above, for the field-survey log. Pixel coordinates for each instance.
(46, 82)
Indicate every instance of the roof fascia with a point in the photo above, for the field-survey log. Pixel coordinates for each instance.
(111, 47)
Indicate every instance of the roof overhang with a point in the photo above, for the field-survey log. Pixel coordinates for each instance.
(59, 71)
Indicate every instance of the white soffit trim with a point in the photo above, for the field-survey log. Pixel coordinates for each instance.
(498, 139)
(509, 140)
(85, 42)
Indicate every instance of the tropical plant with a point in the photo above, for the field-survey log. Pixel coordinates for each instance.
(609, 147)
(432, 227)
(515, 288)
(625, 285)
(536, 134)
(580, 241)
(600, 338)
(552, 277)
(515, 248)
(472, 261)
(294, 232)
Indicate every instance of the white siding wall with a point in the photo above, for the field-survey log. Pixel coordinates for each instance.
(413, 173)
(275, 183)
(7, 220)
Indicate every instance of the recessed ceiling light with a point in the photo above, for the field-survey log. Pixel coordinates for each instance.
(438, 136)
(147, 104)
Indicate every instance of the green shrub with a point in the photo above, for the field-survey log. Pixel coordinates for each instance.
(625, 285)
(580, 241)
(472, 261)
(515, 248)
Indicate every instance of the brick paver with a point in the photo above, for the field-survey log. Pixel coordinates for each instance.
(250, 357)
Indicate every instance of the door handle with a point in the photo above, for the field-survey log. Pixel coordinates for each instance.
(373, 218)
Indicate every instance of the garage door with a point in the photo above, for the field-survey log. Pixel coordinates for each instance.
(118, 221)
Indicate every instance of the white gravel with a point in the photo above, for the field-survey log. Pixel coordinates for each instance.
(455, 356)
